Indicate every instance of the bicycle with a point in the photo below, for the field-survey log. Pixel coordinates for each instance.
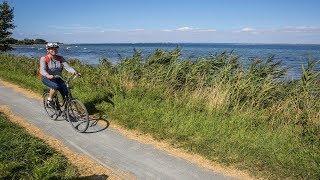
(71, 108)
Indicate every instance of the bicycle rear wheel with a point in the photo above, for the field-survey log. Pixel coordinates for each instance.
(52, 112)
(77, 115)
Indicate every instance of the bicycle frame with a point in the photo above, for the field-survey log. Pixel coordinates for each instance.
(69, 96)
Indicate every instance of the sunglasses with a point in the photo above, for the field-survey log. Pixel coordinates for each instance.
(53, 48)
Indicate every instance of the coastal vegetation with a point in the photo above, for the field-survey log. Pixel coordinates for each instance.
(249, 117)
(27, 41)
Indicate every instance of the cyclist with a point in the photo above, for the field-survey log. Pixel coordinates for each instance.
(50, 65)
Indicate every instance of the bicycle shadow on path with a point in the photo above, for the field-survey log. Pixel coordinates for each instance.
(97, 124)
(97, 121)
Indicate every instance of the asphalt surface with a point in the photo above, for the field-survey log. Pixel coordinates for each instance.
(107, 146)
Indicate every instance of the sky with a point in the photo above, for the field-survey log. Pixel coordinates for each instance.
(145, 21)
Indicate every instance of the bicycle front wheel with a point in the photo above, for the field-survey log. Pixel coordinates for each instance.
(77, 115)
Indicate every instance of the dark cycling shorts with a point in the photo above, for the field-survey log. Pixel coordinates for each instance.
(57, 84)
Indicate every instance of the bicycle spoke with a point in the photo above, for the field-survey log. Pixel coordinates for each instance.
(52, 112)
(78, 116)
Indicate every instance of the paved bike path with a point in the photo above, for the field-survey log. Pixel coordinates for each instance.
(108, 147)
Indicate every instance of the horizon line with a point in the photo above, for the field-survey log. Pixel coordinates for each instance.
(241, 43)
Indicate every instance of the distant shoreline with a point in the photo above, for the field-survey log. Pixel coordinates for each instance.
(198, 43)
(184, 43)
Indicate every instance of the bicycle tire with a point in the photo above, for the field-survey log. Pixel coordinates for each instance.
(77, 112)
(51, 112)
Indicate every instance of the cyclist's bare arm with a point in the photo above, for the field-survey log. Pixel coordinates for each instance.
(67, 67)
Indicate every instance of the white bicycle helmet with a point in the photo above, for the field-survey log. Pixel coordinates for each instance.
(52, 45)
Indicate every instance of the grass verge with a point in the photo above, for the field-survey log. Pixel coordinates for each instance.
(23, 156)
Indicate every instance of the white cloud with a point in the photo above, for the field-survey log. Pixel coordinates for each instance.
(248, 34)
(300, 29)
(109, 30)
(206, 30)
(138, 29)
(247, 29)
(184, 29)
(288, 29)
(74, 27)
(189, 29)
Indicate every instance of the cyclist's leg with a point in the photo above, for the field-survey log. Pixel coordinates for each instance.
(52, 84)
(51, 93)
(62, 88)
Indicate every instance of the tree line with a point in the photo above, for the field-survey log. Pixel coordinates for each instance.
(26, 41)
(6, 28)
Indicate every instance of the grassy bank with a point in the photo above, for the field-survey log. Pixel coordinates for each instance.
(249, 117)
(25, 157)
